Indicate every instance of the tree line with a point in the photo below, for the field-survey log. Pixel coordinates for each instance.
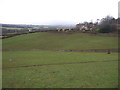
(108, 24)
(105, 25)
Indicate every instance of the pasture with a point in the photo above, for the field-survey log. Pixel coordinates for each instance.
(25, 67)
(55, 41)
(48, 69)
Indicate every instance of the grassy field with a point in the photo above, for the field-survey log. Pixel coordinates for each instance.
(10, 28)
(65, 69)
(25, 68)
(21, 58)
(54, 41)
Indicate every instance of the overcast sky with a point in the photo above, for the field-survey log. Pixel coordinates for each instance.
(119, 9)
(55, 11)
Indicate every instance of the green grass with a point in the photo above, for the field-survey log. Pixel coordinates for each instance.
(81, 75)
(21, 58)
(11, 28)
(53, 41)
(18, 51)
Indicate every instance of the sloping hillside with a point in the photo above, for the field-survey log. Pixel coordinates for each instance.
(56, 41)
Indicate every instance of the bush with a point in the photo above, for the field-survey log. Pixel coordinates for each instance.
(107, 25)
(107, 28)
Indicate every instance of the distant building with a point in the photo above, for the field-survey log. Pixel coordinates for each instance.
(85, 26)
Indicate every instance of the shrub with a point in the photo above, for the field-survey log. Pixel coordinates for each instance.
(107, 28)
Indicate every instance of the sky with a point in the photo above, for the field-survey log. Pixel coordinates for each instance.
(119, 9)
(49, 12)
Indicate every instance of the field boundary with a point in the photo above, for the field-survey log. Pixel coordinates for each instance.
(88, 50)
(53, 64)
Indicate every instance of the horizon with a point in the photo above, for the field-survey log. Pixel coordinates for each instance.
(56, 12)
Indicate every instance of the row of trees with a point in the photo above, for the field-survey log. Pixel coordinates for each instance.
(105, 25)
(108, 24)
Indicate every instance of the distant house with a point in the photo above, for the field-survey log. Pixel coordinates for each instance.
(29, 29)
(85, 26)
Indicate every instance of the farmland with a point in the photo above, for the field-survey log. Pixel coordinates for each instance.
(53, 41)
(30, 62)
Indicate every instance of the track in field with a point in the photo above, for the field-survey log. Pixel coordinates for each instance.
(52, 64)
